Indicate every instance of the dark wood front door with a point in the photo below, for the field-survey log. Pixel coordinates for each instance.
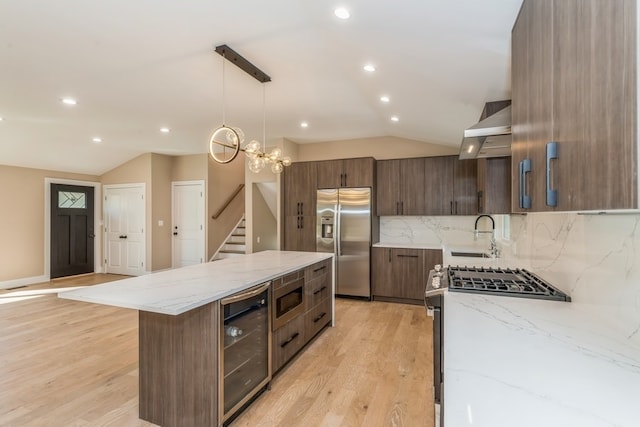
(72, 230)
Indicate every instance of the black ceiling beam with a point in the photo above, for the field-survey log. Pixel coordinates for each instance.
(246, 66)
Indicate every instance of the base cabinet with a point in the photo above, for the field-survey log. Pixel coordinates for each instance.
(399, 273)
(291, 337)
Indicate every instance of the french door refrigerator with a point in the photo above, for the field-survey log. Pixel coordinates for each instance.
(344, 229)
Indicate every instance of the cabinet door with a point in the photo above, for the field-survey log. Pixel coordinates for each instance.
(330, 174)
(438, 188)
(594, 66)
(388, 188)
(494, 185)
(412, 173)
(287, 341)
(531, 94)
(307, 233)
(465, 187)
(408, 273)
(381, 272)
(300, 180)
(291, 232)
(431, 258)
(358, 172)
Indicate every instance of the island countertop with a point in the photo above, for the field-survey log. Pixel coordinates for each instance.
(182, 289)
(528, 362)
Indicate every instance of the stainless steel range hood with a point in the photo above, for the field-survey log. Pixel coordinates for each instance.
(490, 137)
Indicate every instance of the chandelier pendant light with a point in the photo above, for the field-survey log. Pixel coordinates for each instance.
(226, 141)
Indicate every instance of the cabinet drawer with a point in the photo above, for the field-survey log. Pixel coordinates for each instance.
(286, 279)
(317, 290)
(287, 340)
(316, 318)
(317, 270)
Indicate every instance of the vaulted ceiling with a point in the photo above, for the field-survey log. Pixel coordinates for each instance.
(137, 66)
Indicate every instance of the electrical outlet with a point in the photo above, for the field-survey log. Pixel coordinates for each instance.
(258, 239)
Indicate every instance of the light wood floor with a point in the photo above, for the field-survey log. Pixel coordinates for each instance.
(68, 363)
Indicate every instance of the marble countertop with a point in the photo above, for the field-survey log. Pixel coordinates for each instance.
(179, 290)
(408, 245)
(529, 363)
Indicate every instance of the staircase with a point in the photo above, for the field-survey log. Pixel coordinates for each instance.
(235, 244)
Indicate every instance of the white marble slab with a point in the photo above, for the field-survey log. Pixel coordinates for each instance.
(434, 246)
(183, 289)
(530, 363)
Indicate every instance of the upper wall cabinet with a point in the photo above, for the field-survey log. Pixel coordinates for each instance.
(346, 173)
(494, 185)
(400, 187)
(574, 106)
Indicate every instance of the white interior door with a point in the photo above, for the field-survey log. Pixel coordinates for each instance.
(124, 221)
(188, 223)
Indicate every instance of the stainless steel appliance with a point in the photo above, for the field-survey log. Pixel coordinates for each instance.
(344, 229)
(288, 298)
(483, 280)
(244, 349)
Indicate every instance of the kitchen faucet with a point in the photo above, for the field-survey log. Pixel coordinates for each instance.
(493, 248)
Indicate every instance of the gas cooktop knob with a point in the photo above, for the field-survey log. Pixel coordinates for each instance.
(437, 267)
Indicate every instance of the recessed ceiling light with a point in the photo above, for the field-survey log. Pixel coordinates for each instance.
(97, 140)
(369, 68)
(384, 98)
(1, 119)
(304, 125)
(395, 119)
(342, 13)
(165, 130)
(69, 101)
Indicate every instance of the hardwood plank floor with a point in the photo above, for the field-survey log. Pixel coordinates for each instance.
(68, 363)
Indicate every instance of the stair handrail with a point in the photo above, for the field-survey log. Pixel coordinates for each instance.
(228, 201)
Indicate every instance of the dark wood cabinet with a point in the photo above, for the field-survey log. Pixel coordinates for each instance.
(400, 187)
(300, 233)
(574, 106)
(299, 188)
(494, 185)
(450, 186)
(346, 173)
(465, 186)
(291, 337)
(399, 273)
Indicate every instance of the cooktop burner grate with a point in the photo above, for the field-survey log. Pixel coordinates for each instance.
(502, 281)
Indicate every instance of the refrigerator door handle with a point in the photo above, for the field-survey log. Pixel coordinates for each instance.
(338, 235)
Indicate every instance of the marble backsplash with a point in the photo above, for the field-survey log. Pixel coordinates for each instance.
(594, 258)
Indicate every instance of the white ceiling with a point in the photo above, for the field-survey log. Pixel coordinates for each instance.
(135, 66)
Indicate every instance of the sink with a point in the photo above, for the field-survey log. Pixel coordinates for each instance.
(470, 254)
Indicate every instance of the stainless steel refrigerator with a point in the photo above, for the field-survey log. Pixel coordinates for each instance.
(344, 229)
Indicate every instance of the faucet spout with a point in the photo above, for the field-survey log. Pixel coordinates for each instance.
(475, 228)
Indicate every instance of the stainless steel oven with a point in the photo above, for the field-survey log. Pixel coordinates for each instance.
(244, 349)
(288, 298)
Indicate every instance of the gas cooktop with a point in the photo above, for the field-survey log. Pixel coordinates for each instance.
(516, 282)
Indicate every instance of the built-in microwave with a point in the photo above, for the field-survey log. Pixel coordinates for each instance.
(288, 298)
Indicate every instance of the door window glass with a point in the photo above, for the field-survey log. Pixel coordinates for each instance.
(71, 199)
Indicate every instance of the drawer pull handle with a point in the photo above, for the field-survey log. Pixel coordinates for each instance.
(552, 154)
(524, 169)
(316, 292)
(291, 338)
(407, 256)
(320, 268)
(317, 319)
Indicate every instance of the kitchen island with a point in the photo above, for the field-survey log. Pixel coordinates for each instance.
(527, 362)
(180, 322)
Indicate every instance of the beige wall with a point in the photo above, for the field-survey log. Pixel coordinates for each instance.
(263, 223)
(22, 220)
(161, 237)
(379, 148)
(190, 168)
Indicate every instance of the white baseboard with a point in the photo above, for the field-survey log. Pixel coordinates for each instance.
(23, 282)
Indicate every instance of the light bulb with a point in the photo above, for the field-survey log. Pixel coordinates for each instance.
(286, 161)
(256, 164)
(252, 149)
(276, 167)
(276, 153)
(240, 134)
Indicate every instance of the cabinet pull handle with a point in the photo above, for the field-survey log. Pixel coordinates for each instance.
(291, 338)
(298, 223)
(480, 201)
(402, 207)
(301, 222)
(407, 256)
(451, 207)
(389, 255)
(319, 268)
(397, 208)
(317, 291)
(301, 208)
(524, 169)
(552, 153)
(455, 204)
(317, 319)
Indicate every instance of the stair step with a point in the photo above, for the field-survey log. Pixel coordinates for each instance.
(237, 239)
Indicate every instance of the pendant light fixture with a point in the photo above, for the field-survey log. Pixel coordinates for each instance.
(225, 142)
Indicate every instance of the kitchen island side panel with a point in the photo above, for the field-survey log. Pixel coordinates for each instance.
(178, 367)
